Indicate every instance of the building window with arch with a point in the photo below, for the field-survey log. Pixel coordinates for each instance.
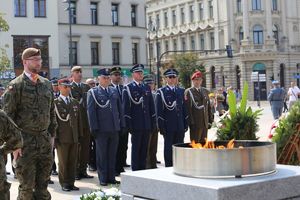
(213, 77)
(274, 5)
(239, 6)
(241, 34)
(20, 8)
(256, 4)
(275, 34)
(258, 34)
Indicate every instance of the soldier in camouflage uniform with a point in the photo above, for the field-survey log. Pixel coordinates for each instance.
(29, 102)
(11, 140)
(79, 92)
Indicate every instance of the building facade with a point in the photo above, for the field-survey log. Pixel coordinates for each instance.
(264, 36)
(32, 23)
(104, 34)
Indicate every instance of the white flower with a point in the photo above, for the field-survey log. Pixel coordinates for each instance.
(111, 198)
(98, 198)
(112, 192)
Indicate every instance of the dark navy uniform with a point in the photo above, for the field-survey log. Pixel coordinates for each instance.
(139, 117)
(172, 118)
(105, 118)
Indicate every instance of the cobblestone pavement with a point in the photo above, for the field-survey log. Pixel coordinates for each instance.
(87, 185)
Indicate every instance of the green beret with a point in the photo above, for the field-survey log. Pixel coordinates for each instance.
(29, 52)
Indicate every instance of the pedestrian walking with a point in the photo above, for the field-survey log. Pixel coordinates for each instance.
(171, 114)
(106, 119)
(276, 98)
(293, 94)
(29, 102)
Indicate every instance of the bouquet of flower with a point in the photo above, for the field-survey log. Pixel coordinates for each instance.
(107, 194)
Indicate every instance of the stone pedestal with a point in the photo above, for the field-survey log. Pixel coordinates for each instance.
(165, 185)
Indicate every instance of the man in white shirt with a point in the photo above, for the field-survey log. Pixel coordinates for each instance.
(293, 93)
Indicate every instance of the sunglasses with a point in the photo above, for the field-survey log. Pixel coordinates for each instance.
(171, 77)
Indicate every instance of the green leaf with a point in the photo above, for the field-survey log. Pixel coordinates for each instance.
(232, 103)
(244, 98)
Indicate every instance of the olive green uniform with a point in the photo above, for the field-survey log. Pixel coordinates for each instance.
(67, 136)
(11, 140)
(80, 94)
(31, 107)
(199, 112)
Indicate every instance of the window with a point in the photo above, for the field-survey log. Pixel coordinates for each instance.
(275, 34)
(158, 50)
(74, 53)
(39, 8)
(212, 40)
(95, 53)
(166, 45)
(257, 34)
(182, 15)
(20, 8)
(116, 53)
(211, 9)
(191, 13)
(133, 15)
(174, 44)
(94, 13)
(174, 17)
(241, 34)
(22, 42)
(256, 4)
(183, 44)
(239, 6)
(134, 53)
(151, 51)
(193, 45)
(157, 21)
(201, 8)
(115, 14)
(166, 19)
(73, 12)
(275, 5)
(202, 42)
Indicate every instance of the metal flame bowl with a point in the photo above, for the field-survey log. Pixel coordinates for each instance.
(255, 158)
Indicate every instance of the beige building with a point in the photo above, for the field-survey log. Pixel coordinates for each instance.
(104, 34)
(264, 35)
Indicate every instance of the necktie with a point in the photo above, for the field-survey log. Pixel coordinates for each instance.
(106, 90)
(67, 101)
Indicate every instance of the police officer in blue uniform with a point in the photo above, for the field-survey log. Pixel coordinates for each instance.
(139, 116)
(276, 98)
(105, 114)
(171, 114)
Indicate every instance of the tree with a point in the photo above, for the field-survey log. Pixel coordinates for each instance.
(187, 64)
(4, 60)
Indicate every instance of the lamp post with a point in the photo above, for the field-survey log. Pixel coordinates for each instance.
(70, 31)
(153, 28)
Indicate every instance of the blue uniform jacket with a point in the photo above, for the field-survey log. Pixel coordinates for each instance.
(105, 115)
(171, 119)
(139, 108)
(276, 97)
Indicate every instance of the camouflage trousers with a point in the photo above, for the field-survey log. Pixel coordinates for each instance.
(33, 168)
(4, 185)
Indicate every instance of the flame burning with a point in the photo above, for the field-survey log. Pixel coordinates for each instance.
(211, 145)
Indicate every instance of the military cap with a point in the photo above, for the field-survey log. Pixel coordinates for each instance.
(54, 81)
(196, 75)
(148, 79)
(137, 68)
(76, 68)
(116, 70)
(171, 72)
(275, 82)
(29, 52)
(103, 72)
(64, 81)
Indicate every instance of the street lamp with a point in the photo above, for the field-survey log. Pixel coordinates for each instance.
(69, 9)
(153, 28)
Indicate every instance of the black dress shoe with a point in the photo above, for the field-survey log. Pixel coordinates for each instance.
(117, 173)
(77, 177)
(86, 176)
(103, 183)
(158, 162)
(73, 187)
(66, 188)
(54, 173)
(50, 182)
(126, 165)
(7, 173)
(115, 182)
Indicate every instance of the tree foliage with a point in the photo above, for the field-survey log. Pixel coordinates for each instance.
(4, 60)
(187, 64)
(241, 123)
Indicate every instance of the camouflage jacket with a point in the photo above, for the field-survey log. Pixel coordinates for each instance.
(31, 105)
